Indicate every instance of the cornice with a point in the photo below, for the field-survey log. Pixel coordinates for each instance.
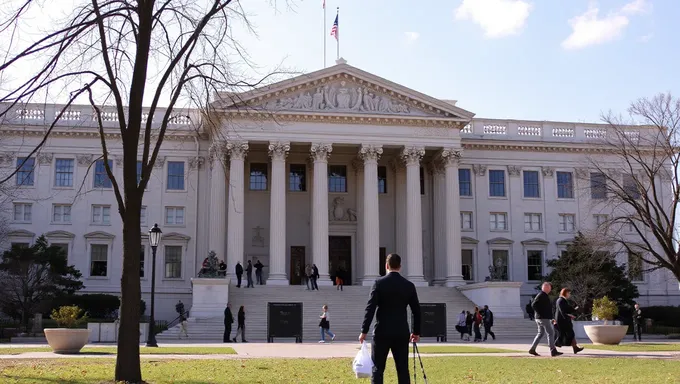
(535, 147)
(86, 134)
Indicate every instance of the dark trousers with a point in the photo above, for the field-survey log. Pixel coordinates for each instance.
(487, 332)
(478, 334)
(238, 280)
(258, 276)
(250, 281)
(227, 333)
(637, 332)
(314, 285)
(380, 348)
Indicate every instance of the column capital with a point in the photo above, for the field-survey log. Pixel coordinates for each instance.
(451, 156)
(412, 155)
(370, 152)
(216, 153)
(237, 150)
(548, 171)
(321, 152)
(514, 170)
(479, 169)
(196, 162)
(278, 150)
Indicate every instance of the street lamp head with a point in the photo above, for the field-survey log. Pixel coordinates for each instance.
(155, 235)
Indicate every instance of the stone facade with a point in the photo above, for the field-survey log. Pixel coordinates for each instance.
(338, 168)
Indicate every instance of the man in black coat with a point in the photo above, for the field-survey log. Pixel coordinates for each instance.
(543, 314)
(228, 321)
(487, 318)
(258, 271)
(637, 323)
(239, 274)
(390, 296)
(249, 274)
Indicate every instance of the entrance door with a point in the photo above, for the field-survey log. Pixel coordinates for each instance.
(340, 257)
(297, 265)
(383, 260)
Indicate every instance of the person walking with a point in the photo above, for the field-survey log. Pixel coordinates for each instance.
(339, 279)
(390, 296)
(228, 321)
(315, 277)
(239, 274)
(241, 322)
(469, 320)
(183, 326)
(564, 314)
(637, 323)
(325, 325)
(308, 276)
(258, 272)
(543, 317)
(249, 275)
(487, 319)
(477, 321)
(462, 326)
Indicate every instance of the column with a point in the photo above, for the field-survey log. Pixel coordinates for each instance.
(237, 151)
(414, 217)
(439, 228)
(370, 154)
(218, 199)
(454, 274)
(320, 153)
(278, 151)
(400, 211)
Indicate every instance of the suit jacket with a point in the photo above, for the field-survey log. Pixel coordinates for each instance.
(390, 296)
(542, 306)
(228, 316)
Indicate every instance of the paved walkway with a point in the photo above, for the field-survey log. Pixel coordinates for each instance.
(322, 351)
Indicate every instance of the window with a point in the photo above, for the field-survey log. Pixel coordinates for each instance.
(630, 187)
(297, 178)
(142, 215)
(500, 259)
(565, 185)
(337, 178)
(98, 260)
(497, 183)
(101, 179)
(466, 221)
(531, 185)
(635, 267)
(63, 247)
(567, 221)
(464, 182)
(422, 181)
(174, 215)
(101, 214)
(173, 262)
(20, 245)
(598, 186)
(600, 219)
(258, 176)
(22, 212)
(61, 213)
(176, 175)
(382, 179)
(466, 256)
(139, 172)
(535, 265)
(499, 221)
(532, 222)
(25, 171)
(63, 175)
(141, 262)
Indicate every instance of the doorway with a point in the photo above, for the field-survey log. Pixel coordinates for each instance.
(340, 257)
(383, 260)
(297, 265)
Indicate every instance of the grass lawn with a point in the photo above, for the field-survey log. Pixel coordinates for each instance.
(443, 370)
(143, 350)
(460, 349)
(638, 347)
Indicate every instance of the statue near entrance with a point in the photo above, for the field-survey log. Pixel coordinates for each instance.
(210, 267)
(497, 271)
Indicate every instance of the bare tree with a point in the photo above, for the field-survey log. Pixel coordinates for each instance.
(637, 176)
(125, 54)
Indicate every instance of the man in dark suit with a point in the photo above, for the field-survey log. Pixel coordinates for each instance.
(391, 295)
(228, 321)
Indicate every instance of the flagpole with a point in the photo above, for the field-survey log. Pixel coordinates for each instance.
(337, 36)
(324, 33)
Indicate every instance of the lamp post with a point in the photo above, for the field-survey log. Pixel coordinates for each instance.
(154, 239)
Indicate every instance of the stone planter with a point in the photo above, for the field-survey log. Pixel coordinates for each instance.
(579, 330)
(64, 340)
(606, 334)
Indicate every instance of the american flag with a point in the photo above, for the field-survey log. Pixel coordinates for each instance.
(334, 30)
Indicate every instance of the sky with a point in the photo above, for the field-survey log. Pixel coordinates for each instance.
(567, 60)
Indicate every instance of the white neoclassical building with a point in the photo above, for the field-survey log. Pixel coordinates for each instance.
(337, 167)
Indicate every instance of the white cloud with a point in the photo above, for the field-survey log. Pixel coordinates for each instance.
(498, 18)
(590, 29)
(411, 37)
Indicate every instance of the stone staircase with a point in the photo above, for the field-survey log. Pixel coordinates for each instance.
(346, 311)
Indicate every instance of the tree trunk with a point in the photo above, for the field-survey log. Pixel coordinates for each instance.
(127, 361)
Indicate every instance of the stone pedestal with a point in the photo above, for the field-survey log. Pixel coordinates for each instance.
(209, 297)
(502, 297)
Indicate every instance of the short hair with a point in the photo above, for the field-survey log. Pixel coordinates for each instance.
(547, 283)
(564, 292)
(324, 306)
(394, 261)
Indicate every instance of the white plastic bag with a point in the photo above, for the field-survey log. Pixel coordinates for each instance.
(363, 364)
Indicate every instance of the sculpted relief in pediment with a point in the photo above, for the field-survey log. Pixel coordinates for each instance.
(341, 97)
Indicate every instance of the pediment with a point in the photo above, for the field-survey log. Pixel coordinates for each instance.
(500, 240)
(468, 240)
(21, 233)
(99, 235)
(342, 89)
(175, 236)
(60, 234)
(535, 241)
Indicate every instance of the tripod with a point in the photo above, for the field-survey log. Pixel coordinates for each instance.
(422, 368)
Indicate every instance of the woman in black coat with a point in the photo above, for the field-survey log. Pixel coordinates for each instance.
(241, 321)
(564, 314)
